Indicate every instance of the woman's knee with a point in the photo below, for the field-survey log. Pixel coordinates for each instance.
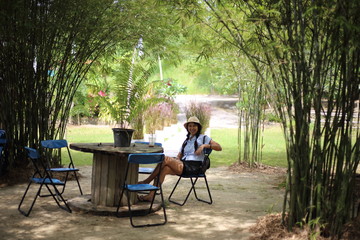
(168, 161)
(168, 170)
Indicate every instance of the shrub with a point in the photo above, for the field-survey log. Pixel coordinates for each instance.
(159, 116)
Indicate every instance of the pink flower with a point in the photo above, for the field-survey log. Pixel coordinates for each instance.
(101, 93)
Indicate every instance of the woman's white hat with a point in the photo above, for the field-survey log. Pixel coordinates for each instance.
(192, 119)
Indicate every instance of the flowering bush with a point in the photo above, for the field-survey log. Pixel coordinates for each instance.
(202, 111)
(159, 116)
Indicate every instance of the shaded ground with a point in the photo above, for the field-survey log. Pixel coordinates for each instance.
(239, 199)
(241, 195)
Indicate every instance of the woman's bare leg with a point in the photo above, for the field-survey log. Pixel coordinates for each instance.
(151, 176)
(174, 164)
(170, 166)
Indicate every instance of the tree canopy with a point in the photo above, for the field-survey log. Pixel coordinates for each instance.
(302, 58)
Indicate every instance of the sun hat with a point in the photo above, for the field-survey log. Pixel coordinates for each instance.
(192, 119)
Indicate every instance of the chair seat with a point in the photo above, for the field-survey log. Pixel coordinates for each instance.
(63, 169)
(142, 187)
(47, 181)
(193, 175)
(145, 170)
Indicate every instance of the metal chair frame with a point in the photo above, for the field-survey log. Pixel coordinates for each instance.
(59, 144)
(42, 177)
(193, 179)
(143, 158)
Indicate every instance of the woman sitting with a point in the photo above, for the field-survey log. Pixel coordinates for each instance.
(189, 158)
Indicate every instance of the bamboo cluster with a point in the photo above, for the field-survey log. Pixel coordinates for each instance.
(46, 49)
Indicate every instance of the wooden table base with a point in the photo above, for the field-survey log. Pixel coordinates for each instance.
(108, 174)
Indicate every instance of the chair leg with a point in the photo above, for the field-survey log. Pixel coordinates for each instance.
(149, 211)
(118, 207)
(192, 188)
(78, 183)
(163, 207)
(172, 192)
(187, 196)
(59, 198)
(208, 190)
(26, 214)
(66, 207)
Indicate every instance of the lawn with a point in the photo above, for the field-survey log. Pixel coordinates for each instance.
(273, 154)
(273, 151)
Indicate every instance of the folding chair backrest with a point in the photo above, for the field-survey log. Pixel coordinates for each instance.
(157, 144)
(32, 153)
(54, 144)
(39, 166)
(2, 137)
(146, 158)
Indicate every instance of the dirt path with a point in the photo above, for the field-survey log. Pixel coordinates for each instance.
(239, 199)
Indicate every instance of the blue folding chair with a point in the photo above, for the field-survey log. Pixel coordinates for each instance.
(42, 177)
(147, 170)
(2, 138)
(3, 155)
(1, 161)
(194, 179)
(143, 158)
(49, 146)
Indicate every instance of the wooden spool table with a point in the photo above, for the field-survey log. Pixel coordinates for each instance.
(108, 170)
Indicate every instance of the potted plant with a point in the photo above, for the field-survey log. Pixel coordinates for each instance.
(125, 99)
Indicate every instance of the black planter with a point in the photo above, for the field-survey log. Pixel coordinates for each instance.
(122, 137)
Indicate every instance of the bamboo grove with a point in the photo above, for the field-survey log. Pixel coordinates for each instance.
(46, 49)
(306, 55)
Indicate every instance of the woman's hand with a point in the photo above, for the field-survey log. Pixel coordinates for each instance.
(179, 156)
(201, 148)
(213, 145)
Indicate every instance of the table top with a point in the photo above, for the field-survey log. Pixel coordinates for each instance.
(108, 148)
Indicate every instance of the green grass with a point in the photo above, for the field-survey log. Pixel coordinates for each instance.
(227, 138)
(273, 151)
(86, 134)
